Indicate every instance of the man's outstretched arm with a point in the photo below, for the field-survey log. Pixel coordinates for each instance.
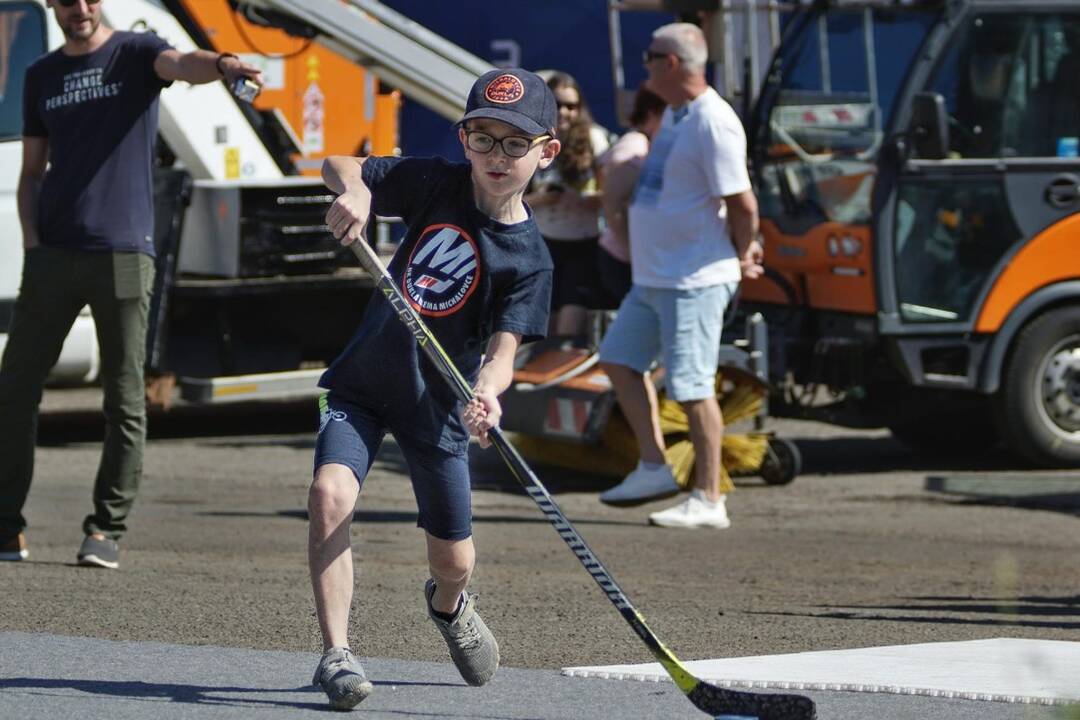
(202, 66)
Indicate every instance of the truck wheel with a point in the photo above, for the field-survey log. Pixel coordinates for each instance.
(1038, 405)
(782, 462)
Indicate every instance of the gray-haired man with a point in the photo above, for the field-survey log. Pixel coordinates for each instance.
(693, 235)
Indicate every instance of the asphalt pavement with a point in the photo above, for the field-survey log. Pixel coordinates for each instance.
(43, 677)
(211, 615)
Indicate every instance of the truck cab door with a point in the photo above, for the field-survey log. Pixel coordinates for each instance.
(1009, 83)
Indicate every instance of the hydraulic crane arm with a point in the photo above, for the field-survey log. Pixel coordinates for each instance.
(400, 52)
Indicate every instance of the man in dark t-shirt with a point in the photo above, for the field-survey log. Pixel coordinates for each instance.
(85, 196)
(474, 266)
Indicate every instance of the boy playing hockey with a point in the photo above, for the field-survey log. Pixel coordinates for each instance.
(474, 266)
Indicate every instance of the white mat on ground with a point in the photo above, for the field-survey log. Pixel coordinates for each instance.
(1001, 670)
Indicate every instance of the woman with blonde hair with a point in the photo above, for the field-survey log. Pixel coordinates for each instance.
(566, 202)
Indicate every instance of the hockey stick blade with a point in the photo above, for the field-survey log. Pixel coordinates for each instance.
(706, 697)
(715, 701)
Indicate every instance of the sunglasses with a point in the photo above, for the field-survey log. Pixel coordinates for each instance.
(649, 55)
(513, 146)
(71, 3)
(568, 105)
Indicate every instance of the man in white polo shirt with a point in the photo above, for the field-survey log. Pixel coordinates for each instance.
(693, 236)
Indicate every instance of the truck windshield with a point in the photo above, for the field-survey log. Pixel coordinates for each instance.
(22, 40)
(819, 124)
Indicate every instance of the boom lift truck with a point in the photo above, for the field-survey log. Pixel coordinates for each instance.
(316, 101)
(916, 165)
(254, 288)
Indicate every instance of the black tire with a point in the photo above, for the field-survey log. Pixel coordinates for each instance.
(1038, 403)
(782, 463)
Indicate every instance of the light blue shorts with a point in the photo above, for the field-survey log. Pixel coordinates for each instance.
(681, 328)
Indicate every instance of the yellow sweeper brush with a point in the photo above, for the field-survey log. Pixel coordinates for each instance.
(740, 395)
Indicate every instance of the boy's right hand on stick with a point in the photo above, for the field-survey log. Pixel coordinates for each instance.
(481, 414)
(347, 217)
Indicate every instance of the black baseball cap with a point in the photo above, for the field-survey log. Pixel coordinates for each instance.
(515, 96)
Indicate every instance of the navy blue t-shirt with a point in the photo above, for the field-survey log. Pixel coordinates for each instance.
(467, 275)
(99, 112)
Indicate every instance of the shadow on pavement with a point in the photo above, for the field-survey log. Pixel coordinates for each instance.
(155, 692)
(1030, 605)
(988, 622)
(856, 455)
(1022, 611)
(210, 695)
(1057, 493)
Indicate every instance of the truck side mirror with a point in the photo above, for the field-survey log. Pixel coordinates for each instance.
(929, 129)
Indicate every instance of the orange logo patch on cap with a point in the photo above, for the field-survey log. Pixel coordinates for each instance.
(504, 89)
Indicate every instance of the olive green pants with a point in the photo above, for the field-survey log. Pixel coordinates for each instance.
(56, 284)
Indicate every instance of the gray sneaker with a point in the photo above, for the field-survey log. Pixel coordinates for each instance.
(99, 552)
(472, 646)
(342, 678)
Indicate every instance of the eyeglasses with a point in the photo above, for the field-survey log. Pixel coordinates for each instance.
(513, 146)
(71, 3)
(649, 55)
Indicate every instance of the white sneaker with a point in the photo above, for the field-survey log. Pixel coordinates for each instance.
(694, 512)
(641, 486)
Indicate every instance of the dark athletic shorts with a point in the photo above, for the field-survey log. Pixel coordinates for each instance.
(351, 434)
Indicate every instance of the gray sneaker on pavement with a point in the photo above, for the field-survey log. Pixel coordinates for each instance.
(99, 552)
(472, 646)
(342, 678)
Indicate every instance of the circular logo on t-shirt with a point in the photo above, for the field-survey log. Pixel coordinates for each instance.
(504, 89)
(443, 270)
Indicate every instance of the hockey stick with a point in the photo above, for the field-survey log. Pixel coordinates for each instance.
(707, 698)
